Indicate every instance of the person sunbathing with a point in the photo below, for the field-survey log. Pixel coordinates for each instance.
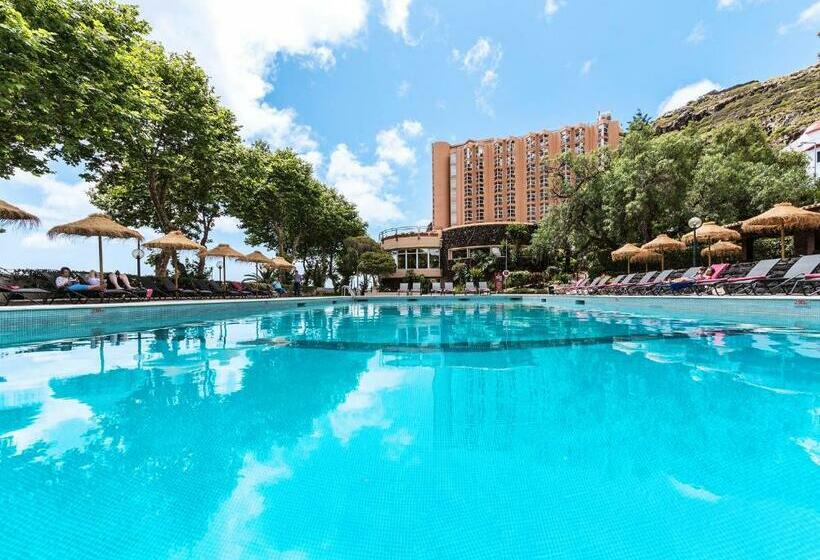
(67, 281)
(119, 280)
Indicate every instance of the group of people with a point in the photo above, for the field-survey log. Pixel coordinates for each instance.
(67, 280)
(117, 280)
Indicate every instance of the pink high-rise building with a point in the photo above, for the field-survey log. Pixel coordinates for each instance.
(507, 179)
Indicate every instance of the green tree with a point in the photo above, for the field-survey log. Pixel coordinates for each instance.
(373, 264)
(175, 168)
(350, 260)
(69, 79)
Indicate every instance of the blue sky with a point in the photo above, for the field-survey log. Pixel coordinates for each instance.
(361, 88)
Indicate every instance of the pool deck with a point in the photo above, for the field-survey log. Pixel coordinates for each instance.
(22, 324)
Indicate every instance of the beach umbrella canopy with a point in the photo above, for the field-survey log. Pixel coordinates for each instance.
(95, 225)
(721, 249)
(226, 252)
(624, 253)
(257, 258)
(175, 241)
(711, 232)
(645, 256)
(663, 244)
(280, 262)
(781, 218)
(9, 213)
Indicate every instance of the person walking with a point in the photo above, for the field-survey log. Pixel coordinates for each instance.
(297, 283)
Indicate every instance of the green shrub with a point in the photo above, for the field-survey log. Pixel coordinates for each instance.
(518, 278)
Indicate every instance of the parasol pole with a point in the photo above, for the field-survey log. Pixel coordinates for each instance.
(224, 271)
(783, 242)
(102, 274)
(176, 270)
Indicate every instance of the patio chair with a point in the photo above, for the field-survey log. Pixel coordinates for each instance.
(615, 286)
(202, 288)
(804, 266)
(809, 285)
(594, 284)
(642, 287)
(483, 288)
(416, 289)
(469, 288)
(436, 288)
(605, 284)
(169, 288)
(625, 287)
(743, 284)
(448, 288)
(10, 290)
(403, 288)
(679, 283)
(224, 290)
(579, 284)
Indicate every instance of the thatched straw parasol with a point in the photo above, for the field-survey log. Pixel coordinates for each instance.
(710, 232)
(645, 256)
(175, 241)
(624, 254)
(721, 249)
(780, 219)
(281, 263)
(9, 213)
(99, 226)
(225, 251)
(257, 258)
(663, 244)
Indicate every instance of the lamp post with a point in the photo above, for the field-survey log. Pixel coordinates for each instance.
(694, 224)
(138, 254)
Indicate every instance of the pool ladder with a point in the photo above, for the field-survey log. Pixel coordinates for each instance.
(349, 291)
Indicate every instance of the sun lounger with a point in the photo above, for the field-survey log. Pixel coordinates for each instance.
(804, 266)
(436, 288)
(642, 287)
(679, 283)
(606, 284)
(10, 290)
(587, 287)
(448, 288)
(625, 281)
(625, 286)
(578, 285)
(483, 288)
(704, 285)
(746, 283)
(416, 289)
(469, 288)
(809, 285)
(223, 290)
(403, 288)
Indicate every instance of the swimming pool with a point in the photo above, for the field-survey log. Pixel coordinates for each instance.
(429, 429)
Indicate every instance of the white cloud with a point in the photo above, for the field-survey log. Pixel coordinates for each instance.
(395, 16)
(727, 4)
(586, 67)
(483, 59)
(60, 202)
(551, 7)
(810, 17)
(684, 95)
(403, 89)
(366, 185)
(412, 128)
(697, 35)
(238, 42)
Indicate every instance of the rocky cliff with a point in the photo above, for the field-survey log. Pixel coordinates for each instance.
(785, 106)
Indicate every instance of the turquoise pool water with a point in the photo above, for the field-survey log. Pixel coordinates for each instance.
(472, 430)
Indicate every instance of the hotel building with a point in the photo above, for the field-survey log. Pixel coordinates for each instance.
(481, 186)
(507, 179)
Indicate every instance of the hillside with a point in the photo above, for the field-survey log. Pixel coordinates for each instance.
(785, 106)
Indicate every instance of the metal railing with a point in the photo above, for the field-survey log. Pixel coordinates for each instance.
(405, 230)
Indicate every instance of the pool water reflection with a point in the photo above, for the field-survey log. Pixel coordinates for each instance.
(414, 431)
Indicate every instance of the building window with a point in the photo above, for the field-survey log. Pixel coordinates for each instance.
(498, 212)
(511, 212)
(411, 259)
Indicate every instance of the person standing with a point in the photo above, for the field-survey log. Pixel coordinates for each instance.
(297, 283)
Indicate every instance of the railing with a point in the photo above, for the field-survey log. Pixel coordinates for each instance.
(405, 230)
(349, 290)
